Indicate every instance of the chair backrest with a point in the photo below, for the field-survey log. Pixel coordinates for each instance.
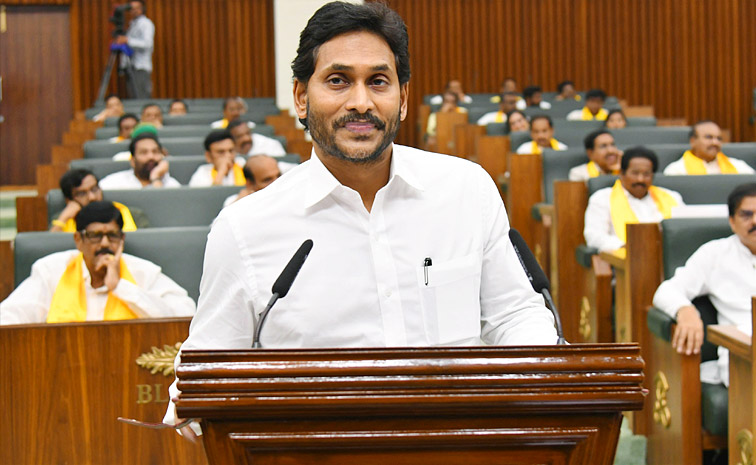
(178, 251)
(184, 206)
(651, 135)
(181, 167)
(745, 151)
(556, 166)
(174, 145)
(695, 190)
(193, 130)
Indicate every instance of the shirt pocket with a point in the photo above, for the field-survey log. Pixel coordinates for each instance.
(451, 299)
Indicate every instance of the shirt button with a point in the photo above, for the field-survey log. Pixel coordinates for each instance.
(387, 292)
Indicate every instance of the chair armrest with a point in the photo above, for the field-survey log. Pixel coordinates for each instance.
(659, 323)
(584, 254)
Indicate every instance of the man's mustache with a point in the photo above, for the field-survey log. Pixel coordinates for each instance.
(752, 229)
(104, 251)
(359, 118)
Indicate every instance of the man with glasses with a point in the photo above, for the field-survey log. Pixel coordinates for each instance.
(723, 269)
(80, 187)
(97, 281)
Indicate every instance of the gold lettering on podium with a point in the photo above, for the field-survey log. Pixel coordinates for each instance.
(745, 444)
(159, 359)
(585, 319)
(149, 393)
(662, 414)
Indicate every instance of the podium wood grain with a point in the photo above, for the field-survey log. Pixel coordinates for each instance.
(62, 386)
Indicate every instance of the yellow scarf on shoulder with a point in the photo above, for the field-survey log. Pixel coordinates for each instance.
(600, 116)
(239, 179)
(594, 170)
(536, 149)
(694, 165)
(128, 220)
(69, 302)
(499, 118)
(623, 214)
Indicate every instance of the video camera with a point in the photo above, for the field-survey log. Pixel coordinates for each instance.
(119, 19)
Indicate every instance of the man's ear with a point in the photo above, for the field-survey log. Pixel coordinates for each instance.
(78, 240)
(403, 100)
(300, 99)
(208, 157)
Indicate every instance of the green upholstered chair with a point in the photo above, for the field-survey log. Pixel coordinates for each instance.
(651, 135)
(174, 145)
(181, 131)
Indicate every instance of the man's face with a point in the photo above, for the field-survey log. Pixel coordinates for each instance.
(743, 224)
(568, 91)
(509, 85)
(456, 87)
(594, 104)
(147, 155)
(127, 127)
(638, 177)
(541, 132)
(353, 102)
(605, 153)
(535, 100)
(177, 109)
(265, 171)
(508, 103)
(707, 142)
(517, 122)
(234, 109)
(136, 9)
(152, 114)
(88, 191)
(98, 239)
(114, 105)
(242, 138)
(220, 153)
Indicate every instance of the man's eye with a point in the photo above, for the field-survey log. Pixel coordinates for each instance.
(336, 81)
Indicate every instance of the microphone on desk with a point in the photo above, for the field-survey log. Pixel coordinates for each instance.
(536, 276)
(283, 284)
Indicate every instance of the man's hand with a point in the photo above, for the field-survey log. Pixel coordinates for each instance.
(70, 211)
(112, 266)
(122, 40)
(157, 173)
(689, 333)
(224, 166)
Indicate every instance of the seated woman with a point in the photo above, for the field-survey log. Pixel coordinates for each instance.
(615, 120)
(517, 121)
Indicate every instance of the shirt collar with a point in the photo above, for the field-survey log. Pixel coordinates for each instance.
(322, 183)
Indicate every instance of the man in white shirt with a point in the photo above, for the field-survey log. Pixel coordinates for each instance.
(723, 269)
(149, 167)
(126, 125)
(542, 133)
(97, 281)
(507, 103)
(141, 39)
(603, 154)
(259, 172)
(152, 114)
(593, 109)
(410, 247)
(249, 143)
(532, 97)
(705, 155)
(633, 199)
(223, 167)
(233, 109)
(454, 86)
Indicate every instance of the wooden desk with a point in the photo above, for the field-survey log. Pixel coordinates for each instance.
(741, 415)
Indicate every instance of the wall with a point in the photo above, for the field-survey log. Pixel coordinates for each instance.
(688, 58)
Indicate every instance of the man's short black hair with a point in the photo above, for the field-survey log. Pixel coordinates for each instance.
(126, 116)
(738, 194)
(142, 136)
(236, 122)
(530, 91)
(595, 93)
(217, 136)
(151, 104)
(695, 125)
(338, 18)
(563, 84)
(546, 117)
(110, 96)
(590, 140)
(98, 212)
(639, 152)
(73, 178)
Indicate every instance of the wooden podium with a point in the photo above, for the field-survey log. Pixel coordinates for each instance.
(515, 405)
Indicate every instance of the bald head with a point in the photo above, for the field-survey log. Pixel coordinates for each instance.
(260, 171)
(706, 140)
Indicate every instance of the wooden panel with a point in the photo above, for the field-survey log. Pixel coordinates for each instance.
(6, 277)
(687, 58)
(31, 215)
(203, 48)
(465, 139)
(525, 190)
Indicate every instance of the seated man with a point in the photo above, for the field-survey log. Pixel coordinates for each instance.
(603, 153)
(705, 155)
(533, 98)
(177, 107)
(507, 104)
(80, 188)
(249, 143)
(632, 200)
(149, 167)
(542, 133)
(567, 91)
(222, 168)
(455, 86)
(233, 108)
(97, 282)
(724, 270)
(259, 172)
(153, 114)
(593, 109)
(113, 108)
(450, 105)
(126, 125)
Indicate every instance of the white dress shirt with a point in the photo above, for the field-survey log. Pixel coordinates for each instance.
(725, 270)
(127, 180)
(521, 105)
(677, 167)
(599, 230)
(527, 147)
(580, 173)
(264, 145)
(363, 284)
(141, 38)
(203, 177)
(154, 295)
(491, 117)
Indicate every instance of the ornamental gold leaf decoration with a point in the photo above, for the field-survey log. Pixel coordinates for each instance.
(159, 359)
(745, 446)
(662, 414)
(585, 319)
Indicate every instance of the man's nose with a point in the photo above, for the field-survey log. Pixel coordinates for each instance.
(360, 99)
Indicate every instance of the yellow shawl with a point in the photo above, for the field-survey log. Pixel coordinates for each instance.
(536, 149)
(623, 214)
(601, 116)
(595, 171)
(69, 303)
(694, 165)
(239, 179)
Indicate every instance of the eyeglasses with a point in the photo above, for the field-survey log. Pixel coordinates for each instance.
(96, 237)
(83, 194)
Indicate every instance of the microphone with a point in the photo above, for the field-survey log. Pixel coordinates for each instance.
(536, 276)
(283, 284)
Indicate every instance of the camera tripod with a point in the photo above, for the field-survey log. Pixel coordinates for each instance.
(115, 52)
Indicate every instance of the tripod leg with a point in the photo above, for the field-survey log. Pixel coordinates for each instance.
(106, 77)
